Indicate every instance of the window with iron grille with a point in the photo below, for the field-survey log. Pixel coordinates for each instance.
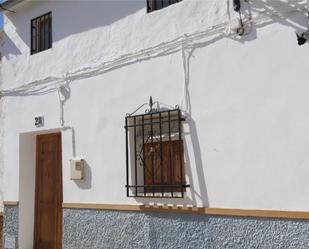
(155, 154)
(153, 5)
(41, 33)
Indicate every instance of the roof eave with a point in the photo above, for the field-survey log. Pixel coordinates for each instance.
(10, 4)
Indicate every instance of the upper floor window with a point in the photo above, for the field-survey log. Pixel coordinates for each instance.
(153, 5)
(41, 33)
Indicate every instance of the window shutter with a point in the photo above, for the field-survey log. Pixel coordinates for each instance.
(165, 170)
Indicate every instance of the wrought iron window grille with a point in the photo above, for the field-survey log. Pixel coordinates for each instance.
(153, 5)
(41, 33)
(154, 153)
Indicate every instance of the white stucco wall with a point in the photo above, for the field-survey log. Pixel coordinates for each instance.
(246, 99)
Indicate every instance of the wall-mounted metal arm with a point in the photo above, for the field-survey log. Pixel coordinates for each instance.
(303, 37)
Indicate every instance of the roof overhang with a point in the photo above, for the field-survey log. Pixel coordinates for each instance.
(8, 4)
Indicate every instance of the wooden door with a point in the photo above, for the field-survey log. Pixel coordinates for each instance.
(48, 192)
(163, 167)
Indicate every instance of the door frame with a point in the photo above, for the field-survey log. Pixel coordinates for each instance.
(59, 192)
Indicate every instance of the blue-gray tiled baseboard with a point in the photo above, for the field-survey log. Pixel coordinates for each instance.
(98, 229)
(94, 229)
(10, 225)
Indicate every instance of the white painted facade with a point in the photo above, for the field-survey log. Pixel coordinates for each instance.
(246, 99)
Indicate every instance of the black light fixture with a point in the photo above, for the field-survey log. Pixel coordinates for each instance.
(236, 5)
(303, 37)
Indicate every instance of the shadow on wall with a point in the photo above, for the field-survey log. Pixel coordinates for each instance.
(10, 48)
(273, 10)
(200, 168)
(277, 9)
(288, 13)
(202, 194)
(198, 191)
(193, 165)
(94, 14)
(108, 12)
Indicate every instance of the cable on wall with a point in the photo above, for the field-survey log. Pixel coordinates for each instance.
(52, 83)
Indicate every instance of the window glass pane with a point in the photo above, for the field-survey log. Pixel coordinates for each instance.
(38, 29)
(42, 33)
(50, 30)
(46, 33)
(159, 4)
(33, 36)
(165, 3)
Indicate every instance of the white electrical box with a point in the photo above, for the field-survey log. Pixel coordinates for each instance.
(77, 169)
